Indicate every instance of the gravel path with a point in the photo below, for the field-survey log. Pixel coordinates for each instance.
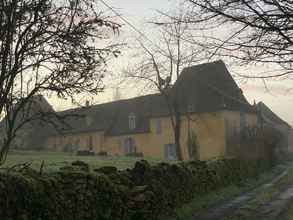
(274, 209)
(218, 213)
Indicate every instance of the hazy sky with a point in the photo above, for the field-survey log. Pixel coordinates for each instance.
(279, 96)
(133, 9)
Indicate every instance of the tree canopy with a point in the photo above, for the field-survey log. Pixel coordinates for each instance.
(259, 31)
(50, 47)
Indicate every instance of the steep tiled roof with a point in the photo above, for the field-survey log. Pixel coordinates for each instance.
(113, 117)
(207, 88)
(269, 116)
(210, 87)
(33, 130)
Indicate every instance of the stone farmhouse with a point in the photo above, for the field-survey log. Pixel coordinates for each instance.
(211, 107)
(212, 110)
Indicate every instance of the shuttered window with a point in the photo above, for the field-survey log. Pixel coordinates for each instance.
(131, 121)
(158, 126)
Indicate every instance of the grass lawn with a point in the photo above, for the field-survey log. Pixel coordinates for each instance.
(54, 160)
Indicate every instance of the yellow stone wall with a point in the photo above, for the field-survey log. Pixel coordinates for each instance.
(80, 141)
(232, 129)
(210, 129)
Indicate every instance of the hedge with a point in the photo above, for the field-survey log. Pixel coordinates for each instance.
(144, 192)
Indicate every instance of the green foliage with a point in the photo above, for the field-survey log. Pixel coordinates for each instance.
(193, 145)
(144, 192)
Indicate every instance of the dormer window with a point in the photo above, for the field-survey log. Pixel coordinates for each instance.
(223, 102)
(191, 108)
(88, 120)
(131, 121)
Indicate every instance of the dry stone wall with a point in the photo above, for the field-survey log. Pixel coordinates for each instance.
(144, 192)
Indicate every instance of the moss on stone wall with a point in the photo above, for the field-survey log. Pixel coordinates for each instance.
(144, 192)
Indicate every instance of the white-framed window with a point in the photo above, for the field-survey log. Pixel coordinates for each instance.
(88, 120)
(131, 121)
(170, 152)
(129, 146)
(158, 126)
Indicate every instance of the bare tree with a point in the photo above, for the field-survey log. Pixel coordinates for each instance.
(49, 47)
(252, 32)
(160, 64)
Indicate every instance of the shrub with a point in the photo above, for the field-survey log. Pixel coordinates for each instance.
(85, 153)
(102, 153)
(136, 154)
(81, 165)
(106, 170)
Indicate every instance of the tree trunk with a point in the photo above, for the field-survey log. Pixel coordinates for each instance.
(177, 134)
